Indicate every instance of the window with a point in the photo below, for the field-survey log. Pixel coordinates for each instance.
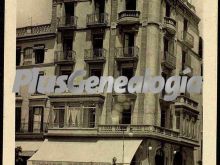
(17, 119)
(69, 11)
(185, 25)
(58, 118)
(163, 118)
(91, 118)
(67, 49)
(183, 60)
(128, 40)
(130, 4)
(99, 6)
(96, 72)
(126, 116)
(41, 73)
(97, 43)
(66, 70)
(39, 54)
(166, 45)
(28, 55)
(129, 44)
(35, 123)
(18, 56)
(168, 10)
(177, 120)
(165, 76)
(127, 72)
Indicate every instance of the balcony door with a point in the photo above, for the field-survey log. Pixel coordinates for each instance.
(126, 116)
(128, 44)
(130, 4)
(99, 6)
(97, 44)
(127, 72)
(67, 48)
(69, 11)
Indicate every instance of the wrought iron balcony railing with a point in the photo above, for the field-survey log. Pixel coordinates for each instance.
(127, 52)
(95, 54)
(169, 60)
(68, 55)
(97, 19)
(129, 13)
(34, 30)
(67, 21)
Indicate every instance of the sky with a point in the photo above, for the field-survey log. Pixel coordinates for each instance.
(39, 12)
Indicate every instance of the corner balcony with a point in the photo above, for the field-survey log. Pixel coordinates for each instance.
(68, 22)
(143, 131)
(126, 54)
(188, 39)
(169, 60)
(97, 20)
(170, 25)
(129, 17)
(95, 55)
(64, 56)
(185, 102)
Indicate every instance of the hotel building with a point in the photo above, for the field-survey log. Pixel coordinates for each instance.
(111, 38)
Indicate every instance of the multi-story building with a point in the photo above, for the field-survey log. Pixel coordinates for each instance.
(111, 38)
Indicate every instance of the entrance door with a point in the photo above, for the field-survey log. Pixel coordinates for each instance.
(159, 158)
(177, 159)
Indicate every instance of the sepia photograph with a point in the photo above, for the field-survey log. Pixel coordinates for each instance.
(108, 82)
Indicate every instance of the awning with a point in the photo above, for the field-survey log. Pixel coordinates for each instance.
(82, 151)
(28, 147)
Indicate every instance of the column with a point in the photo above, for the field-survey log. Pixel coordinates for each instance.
(152, 58)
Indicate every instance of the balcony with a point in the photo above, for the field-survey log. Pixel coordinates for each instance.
(128, 17)
(144, 131)
(126, 53)
(94, 20)
(170, 25)
(187, 103)
(169, 60)
(28, 31)
(64, 56)
(69, 22)
(188, 39)
(95, 55)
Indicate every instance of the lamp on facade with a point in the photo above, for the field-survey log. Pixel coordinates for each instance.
(174, 152)
(150, 147)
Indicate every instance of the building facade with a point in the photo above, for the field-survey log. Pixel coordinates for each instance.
(111, 38)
